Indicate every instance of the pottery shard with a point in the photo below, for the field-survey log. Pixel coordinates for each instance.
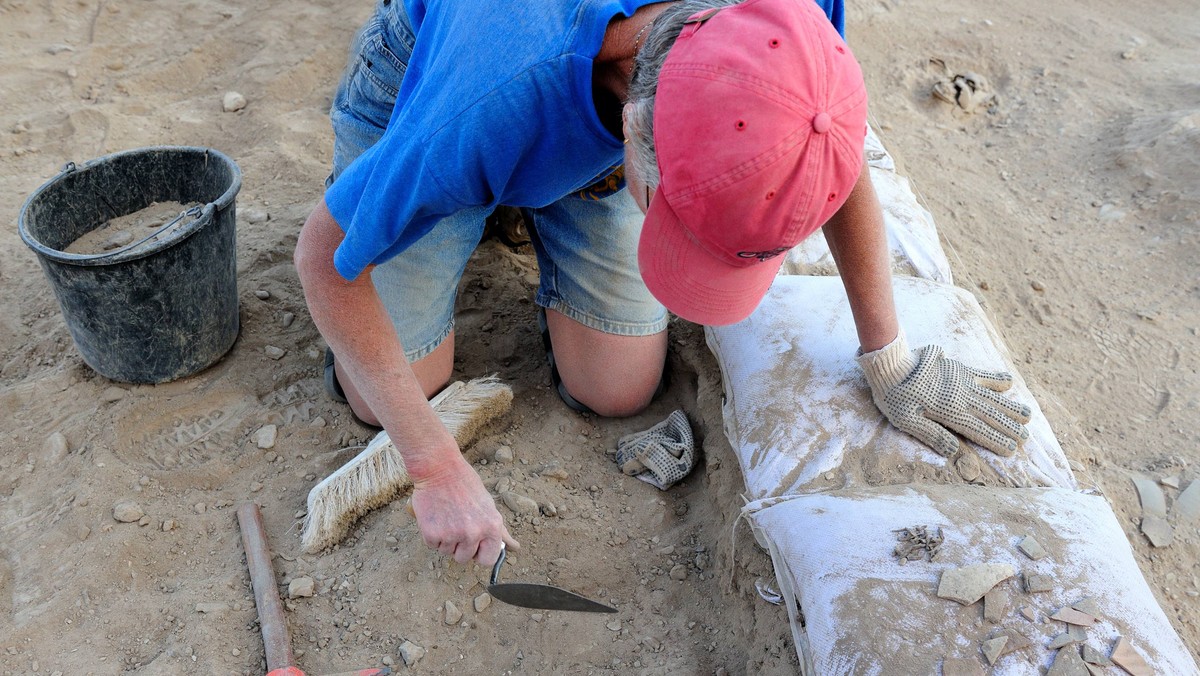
(1035, 584)
(1072, 616)
(1031, 548)
(1063, 639)
(992, 648)
(1016, 641)
(1068, 663)
(995, 605)
(1093, 656)
(1158, 531)
(1150, 494)
(969, 583)
(1128, 659)
(1187, 505)
(1029, 613)
(1087, 605)
(958, 666)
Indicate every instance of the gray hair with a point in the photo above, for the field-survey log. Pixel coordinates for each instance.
(644, 84)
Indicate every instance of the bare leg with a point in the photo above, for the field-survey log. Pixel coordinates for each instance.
(432, 371)
(615, 376)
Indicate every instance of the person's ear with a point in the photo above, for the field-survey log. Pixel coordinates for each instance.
(626, 125)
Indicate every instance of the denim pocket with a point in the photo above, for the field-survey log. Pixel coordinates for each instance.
(381, 60)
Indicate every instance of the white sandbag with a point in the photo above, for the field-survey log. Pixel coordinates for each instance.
(798, 411)
(865, 613)
(912, 238)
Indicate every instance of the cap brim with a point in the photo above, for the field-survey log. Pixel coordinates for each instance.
(692, 283)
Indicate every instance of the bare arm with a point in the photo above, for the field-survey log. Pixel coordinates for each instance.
(454, 511)
(859, 246)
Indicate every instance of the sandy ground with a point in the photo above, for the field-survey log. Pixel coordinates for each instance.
(1069, 207)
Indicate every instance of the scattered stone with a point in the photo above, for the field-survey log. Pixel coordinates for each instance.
(537, 617)
(503, 455)
(959, 666)
(112, 394)
(318, 422)
(615, 625)
(169, 525)
(1037, 285)
(1093, 656)
(556, 473)
(83, 532)
(1068, 663)
(1158, 531)
(1187, 505)
(266, 436)
(262, 294)
(288, 318)
(549, 509)
(1062, 640)
(1036, 584)
(453, 614)
(1170, 481)
(1154, 503)
(144, 521)
(411, 653)
(255, 487)
(519, 504)
(387, 661)
(1127, 658)
(1029, 613)
(301, 587)
(995, 605)
(1031, 548)
(200, 507)
(482, 602)
(992, 648)
(1072, 616)
(1087, 605)
(968, 466)
(211, 608)
(254, 216)
(275, 353)
(233, 102)
(1016, 641)
(968, 584)
(55, 448)
(679, 572)
(916, 543)
(127, 511)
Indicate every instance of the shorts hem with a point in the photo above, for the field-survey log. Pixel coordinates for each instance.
(426, 349)
(617, 328)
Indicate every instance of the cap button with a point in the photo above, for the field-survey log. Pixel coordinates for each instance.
(822, 122)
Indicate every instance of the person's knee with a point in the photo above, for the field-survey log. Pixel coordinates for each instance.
(621, 396)
(615, 376)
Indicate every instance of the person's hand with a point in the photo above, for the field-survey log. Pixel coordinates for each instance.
(457, 516)
(927, 395)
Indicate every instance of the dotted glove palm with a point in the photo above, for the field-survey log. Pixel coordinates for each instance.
(927, 395)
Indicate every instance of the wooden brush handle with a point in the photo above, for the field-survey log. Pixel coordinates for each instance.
(271, 620)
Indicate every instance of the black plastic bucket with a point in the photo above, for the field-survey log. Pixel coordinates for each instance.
(158, 309)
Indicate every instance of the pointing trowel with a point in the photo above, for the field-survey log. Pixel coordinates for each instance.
(541, 596)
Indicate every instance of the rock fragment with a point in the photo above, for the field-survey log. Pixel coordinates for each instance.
(1016, 641)
(995, 605)
(55, 448)
(1158, 531)
(1154, 503)
(1035, 584)
(266, 436)
(482, 602)
(411, 653)
(679, 572)
(233, 102)
(288, 318)
(519, 504)
(453, 614)
(503, 455)
(960, 666)
(301, 587)
(1187, 505)
(968, 467)
(1029, 613)
(275, 353)
(1068, 663)
(1093, 656)
(968, 584)
(1031, 548)
(127, 511)
(1170, 481)
(1087, 605)
(262, 294)
(1124, 656)
(992, 648)
(1072, 616)
(1062, 640)
(112, 394)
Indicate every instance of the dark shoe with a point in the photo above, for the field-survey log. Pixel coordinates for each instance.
(334, 389)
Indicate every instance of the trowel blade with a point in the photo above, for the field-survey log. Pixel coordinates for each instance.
(545, 597)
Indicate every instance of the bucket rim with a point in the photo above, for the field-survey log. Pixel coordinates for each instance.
(122, 256)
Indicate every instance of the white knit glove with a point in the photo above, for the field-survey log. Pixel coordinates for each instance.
(927, 395)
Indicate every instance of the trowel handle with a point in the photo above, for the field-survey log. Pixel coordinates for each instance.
(496, 566)
(271, 620)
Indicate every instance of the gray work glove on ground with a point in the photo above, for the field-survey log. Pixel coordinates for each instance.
(927, 395)
(661, 455)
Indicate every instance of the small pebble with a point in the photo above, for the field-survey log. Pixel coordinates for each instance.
(301, 587)
(169, 525)
(255, 487)
(411, 653)
(275, 353)
(288, 318)
(233, 102)
(1037, 285)
(615, 625)
(127, 511)
(482, 602)
(679, 572)
(318, 422)
(55, 448)
(266, 436)
(256, 216)
(519, 504)
(112, 394)
(453, 614)
(503, 455)
(83, 532)
(262, 294)
(200, 507)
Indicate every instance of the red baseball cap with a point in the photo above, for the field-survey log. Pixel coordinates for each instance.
(759, 122)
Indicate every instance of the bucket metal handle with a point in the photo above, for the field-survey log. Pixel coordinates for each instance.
(194, 212)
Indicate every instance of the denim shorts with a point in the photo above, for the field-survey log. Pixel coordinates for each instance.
(586, 243)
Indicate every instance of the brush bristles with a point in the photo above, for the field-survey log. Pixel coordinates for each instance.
(376, 476)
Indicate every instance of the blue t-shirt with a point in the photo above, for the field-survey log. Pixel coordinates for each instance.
(495, 108)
